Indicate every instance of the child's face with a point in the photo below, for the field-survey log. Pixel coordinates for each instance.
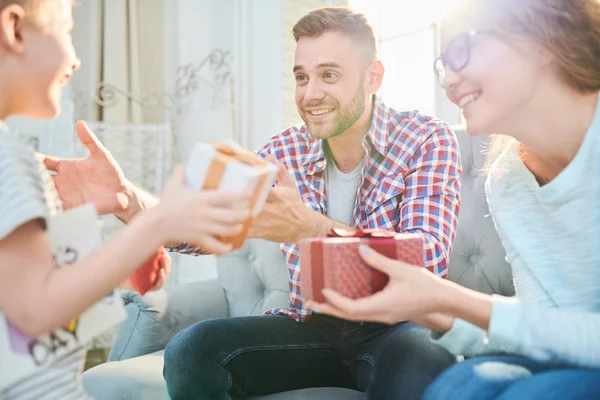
(45, 60)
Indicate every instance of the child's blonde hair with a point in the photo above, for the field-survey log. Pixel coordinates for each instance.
(33, 8)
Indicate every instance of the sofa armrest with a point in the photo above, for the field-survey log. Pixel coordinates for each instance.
(153, 319)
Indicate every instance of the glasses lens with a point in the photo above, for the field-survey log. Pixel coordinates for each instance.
(457, 53)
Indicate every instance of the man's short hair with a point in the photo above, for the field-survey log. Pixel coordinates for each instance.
(338, 19)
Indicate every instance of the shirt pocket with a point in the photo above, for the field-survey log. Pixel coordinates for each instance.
(386, 194)
(311, 200)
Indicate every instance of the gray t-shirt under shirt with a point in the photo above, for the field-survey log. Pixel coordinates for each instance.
(341, 191)
(28, 193)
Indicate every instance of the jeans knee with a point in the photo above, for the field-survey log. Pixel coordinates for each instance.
(175, 359)
(189, 365)
(406, 363)
(475, 379)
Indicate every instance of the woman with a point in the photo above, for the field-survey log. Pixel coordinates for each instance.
(529, 70)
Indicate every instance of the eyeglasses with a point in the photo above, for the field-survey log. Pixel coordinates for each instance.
(457, 55)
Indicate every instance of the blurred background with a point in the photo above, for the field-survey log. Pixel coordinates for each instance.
(159, 75)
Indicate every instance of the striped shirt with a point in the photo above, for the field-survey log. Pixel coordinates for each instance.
(27, 193)
(410, 182)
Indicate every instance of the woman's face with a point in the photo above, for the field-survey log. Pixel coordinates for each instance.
(495, 75)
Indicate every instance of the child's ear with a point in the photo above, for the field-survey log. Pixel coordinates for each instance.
(12, 20)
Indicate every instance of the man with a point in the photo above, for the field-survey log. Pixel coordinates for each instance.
(355, 163)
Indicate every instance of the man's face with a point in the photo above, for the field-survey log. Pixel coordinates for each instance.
(330, 83)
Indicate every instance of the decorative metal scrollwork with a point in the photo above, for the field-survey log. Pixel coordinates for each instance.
(189, 79)
(188, 76)
(107, 96)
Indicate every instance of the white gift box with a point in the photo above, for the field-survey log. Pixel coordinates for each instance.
(224, 166)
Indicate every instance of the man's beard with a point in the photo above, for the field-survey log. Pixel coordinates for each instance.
(346, 118)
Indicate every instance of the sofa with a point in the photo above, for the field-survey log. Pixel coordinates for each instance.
(254, 279)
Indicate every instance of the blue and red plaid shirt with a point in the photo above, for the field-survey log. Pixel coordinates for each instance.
(410, 183)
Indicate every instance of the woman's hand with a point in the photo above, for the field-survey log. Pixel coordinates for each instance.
(412, 294)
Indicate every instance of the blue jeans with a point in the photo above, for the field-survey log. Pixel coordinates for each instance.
(512, 377)
(234, 358)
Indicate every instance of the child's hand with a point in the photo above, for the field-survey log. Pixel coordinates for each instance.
(200, 217)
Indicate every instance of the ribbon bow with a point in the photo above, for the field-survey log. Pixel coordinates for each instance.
(365, 233)
(238, 153)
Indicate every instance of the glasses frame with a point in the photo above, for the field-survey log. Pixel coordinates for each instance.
(441, 63)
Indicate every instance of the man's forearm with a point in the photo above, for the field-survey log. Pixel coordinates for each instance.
(137, 200)
(320, 226)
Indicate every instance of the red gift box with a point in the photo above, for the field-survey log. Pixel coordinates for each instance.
(335, 263)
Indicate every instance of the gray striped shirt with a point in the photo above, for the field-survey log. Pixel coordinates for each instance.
(27, 193)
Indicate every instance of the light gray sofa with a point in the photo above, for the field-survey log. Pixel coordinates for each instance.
(254, 279)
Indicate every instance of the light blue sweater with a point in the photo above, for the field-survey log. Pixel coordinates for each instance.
(552, 239)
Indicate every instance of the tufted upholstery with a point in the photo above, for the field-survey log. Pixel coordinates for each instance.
(478, 258)
(255, 278)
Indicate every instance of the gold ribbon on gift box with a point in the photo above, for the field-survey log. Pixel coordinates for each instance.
(224, 156)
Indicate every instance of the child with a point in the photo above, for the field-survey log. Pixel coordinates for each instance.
(36, 60)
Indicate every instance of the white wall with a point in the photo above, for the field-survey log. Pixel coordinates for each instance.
(258, 54)
(407, 46)
(251, 31)
(53, 137)
(245, 28)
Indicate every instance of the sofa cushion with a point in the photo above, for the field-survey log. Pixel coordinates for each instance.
(315, 393)
(255, 278)
(478, 258)
(138, 378)
(141, 378)
(153, 319)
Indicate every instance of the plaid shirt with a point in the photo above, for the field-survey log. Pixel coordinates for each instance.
(410, 183)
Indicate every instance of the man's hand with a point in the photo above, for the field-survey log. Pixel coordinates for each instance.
(97, 179)
(285, 217)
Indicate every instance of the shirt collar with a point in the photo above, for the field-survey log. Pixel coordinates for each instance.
(315, 157)
(377, 134)
(378, 131)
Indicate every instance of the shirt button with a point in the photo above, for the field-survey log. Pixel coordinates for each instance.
(379, 199)
(320, 164)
